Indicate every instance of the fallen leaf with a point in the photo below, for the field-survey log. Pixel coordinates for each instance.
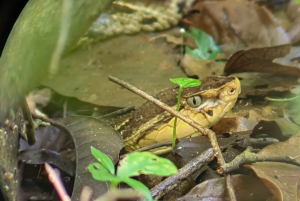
(291, 59)
(84, 73)
(88, 131)
(293, 13)
(201, 67)
(228, 22)
(282, 179)
(246, 188)
(232, 124)
(260, 60)
(189, 148)
(42, 156)
(289, 148)
(264, 84)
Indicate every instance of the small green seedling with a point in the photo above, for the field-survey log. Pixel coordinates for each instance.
(207, 48)
(132, 164)
(183, 83)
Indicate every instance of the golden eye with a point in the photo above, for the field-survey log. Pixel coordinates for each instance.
(194, 101)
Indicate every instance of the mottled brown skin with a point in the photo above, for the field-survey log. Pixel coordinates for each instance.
(128, 124)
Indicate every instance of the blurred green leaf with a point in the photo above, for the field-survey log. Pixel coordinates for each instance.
(186, 82)
(132, 164)
(138, 163)
(207, 49)
(100, 173)
(139, 187)
(103, 159)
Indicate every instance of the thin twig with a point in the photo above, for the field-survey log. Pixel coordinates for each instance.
(54, 178)
(249, 157)
(30, 130)
(205, 131)
(229, 187)
(171, 182)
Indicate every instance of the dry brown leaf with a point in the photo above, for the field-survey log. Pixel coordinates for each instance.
(232, 124)
(260, 60)
(84, 73)
(246, 188)
(293, 13)
(281, 179)
(264, 84)
(230, 24)
(201, 67)
(291, 59)
(272, 123)
(289, 148)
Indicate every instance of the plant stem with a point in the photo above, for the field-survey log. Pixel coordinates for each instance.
(113, 185)
(281, 99)
(175, 120)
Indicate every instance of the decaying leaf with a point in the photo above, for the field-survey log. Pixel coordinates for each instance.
(42, 156)
(92, 66)
(201, 67)
(289, 148)
(232, 124)
(293, 13)
(282, 179)
(260, 60)
(264, 84)
(291, 59)
(189, 148)
(246, 188)
(88, 131)
(272, 125)
(54, 144)
(228, 22)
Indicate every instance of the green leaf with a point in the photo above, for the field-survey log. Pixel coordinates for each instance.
(103, 159)
(186, 82)
(297, 1)
(139, 187)
(207, 49)
(137, 163)
(100, 173)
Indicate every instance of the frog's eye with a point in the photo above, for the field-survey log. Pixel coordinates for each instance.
(194, 101)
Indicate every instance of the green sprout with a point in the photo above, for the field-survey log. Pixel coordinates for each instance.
(132, 164)
(207, 48)
(282, 99)
(183, 83)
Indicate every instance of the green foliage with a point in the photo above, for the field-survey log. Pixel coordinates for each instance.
(183, 83)
(297, 1)
(186, 82)
(207, 49)
(138, 163)
(132, 164)
(103, 159)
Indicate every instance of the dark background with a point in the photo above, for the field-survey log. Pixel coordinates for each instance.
(9, 12)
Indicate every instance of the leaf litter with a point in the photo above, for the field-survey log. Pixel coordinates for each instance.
(251, 115)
